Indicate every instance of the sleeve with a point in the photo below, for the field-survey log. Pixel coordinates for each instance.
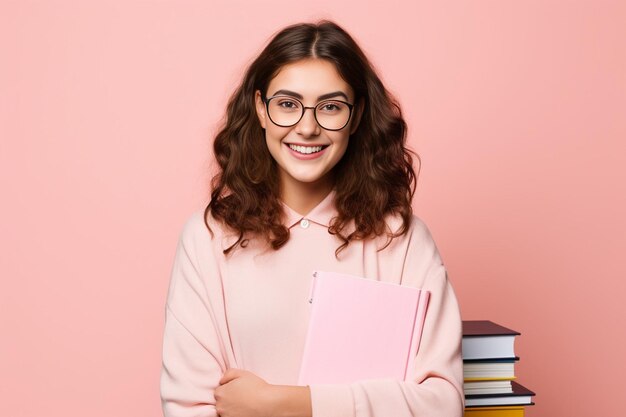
(434, 387)
(193, 352)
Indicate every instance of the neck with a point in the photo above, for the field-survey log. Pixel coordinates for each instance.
(303, 197)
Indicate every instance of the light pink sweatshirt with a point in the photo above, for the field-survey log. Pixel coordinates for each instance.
(249, 310)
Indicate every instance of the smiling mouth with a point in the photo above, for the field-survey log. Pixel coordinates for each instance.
(306, 150)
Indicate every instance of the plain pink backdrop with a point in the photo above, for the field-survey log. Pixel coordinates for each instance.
(107, 110)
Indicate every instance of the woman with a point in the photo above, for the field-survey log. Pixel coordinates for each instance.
(314, 174)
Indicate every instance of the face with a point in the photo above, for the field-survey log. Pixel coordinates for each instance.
(296, 149)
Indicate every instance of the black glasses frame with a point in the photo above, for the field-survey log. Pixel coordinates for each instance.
(266, 100)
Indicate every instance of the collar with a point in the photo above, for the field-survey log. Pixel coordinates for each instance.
(320, 214)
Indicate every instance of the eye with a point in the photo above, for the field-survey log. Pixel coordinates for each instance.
(288, 104)
(332, 107)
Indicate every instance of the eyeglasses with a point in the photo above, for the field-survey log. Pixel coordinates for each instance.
(286, 111)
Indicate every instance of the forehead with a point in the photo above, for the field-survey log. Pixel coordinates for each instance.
(311, 78)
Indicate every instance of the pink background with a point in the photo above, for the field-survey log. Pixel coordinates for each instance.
(106, 114)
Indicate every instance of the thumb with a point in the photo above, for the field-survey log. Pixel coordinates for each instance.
(229, 375)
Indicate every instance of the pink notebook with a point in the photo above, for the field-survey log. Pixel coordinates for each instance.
(361, 329)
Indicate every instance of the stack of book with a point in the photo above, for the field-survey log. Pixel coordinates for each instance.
(489, 371)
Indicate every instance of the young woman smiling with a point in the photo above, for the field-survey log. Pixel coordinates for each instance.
(314, 174)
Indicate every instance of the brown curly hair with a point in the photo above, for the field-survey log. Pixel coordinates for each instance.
(374, 178)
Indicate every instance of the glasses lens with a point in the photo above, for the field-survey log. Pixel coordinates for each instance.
(284, 111)
(332, 115)
(287, 111)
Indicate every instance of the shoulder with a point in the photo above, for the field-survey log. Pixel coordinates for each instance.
(416, 229)
(200, 231)
(416, 243)
(420, 231)
(206, 231)
(194, 226)
(422, 263)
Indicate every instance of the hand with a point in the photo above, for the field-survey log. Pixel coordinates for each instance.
(243, 394)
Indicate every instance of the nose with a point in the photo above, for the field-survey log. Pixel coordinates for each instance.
(307, 126)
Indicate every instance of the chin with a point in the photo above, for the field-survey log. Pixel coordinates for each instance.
(307, 178)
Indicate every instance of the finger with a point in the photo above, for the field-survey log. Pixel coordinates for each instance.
(229, 375)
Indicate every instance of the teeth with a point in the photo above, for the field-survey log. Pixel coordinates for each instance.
(305, 149)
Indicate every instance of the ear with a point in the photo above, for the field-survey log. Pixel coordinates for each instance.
(260, 108)
(358, 113)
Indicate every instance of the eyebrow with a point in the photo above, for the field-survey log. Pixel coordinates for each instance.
(322, 97)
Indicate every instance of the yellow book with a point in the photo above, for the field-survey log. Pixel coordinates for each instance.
(494, 412)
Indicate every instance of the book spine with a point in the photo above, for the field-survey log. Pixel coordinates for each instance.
(418, 325)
